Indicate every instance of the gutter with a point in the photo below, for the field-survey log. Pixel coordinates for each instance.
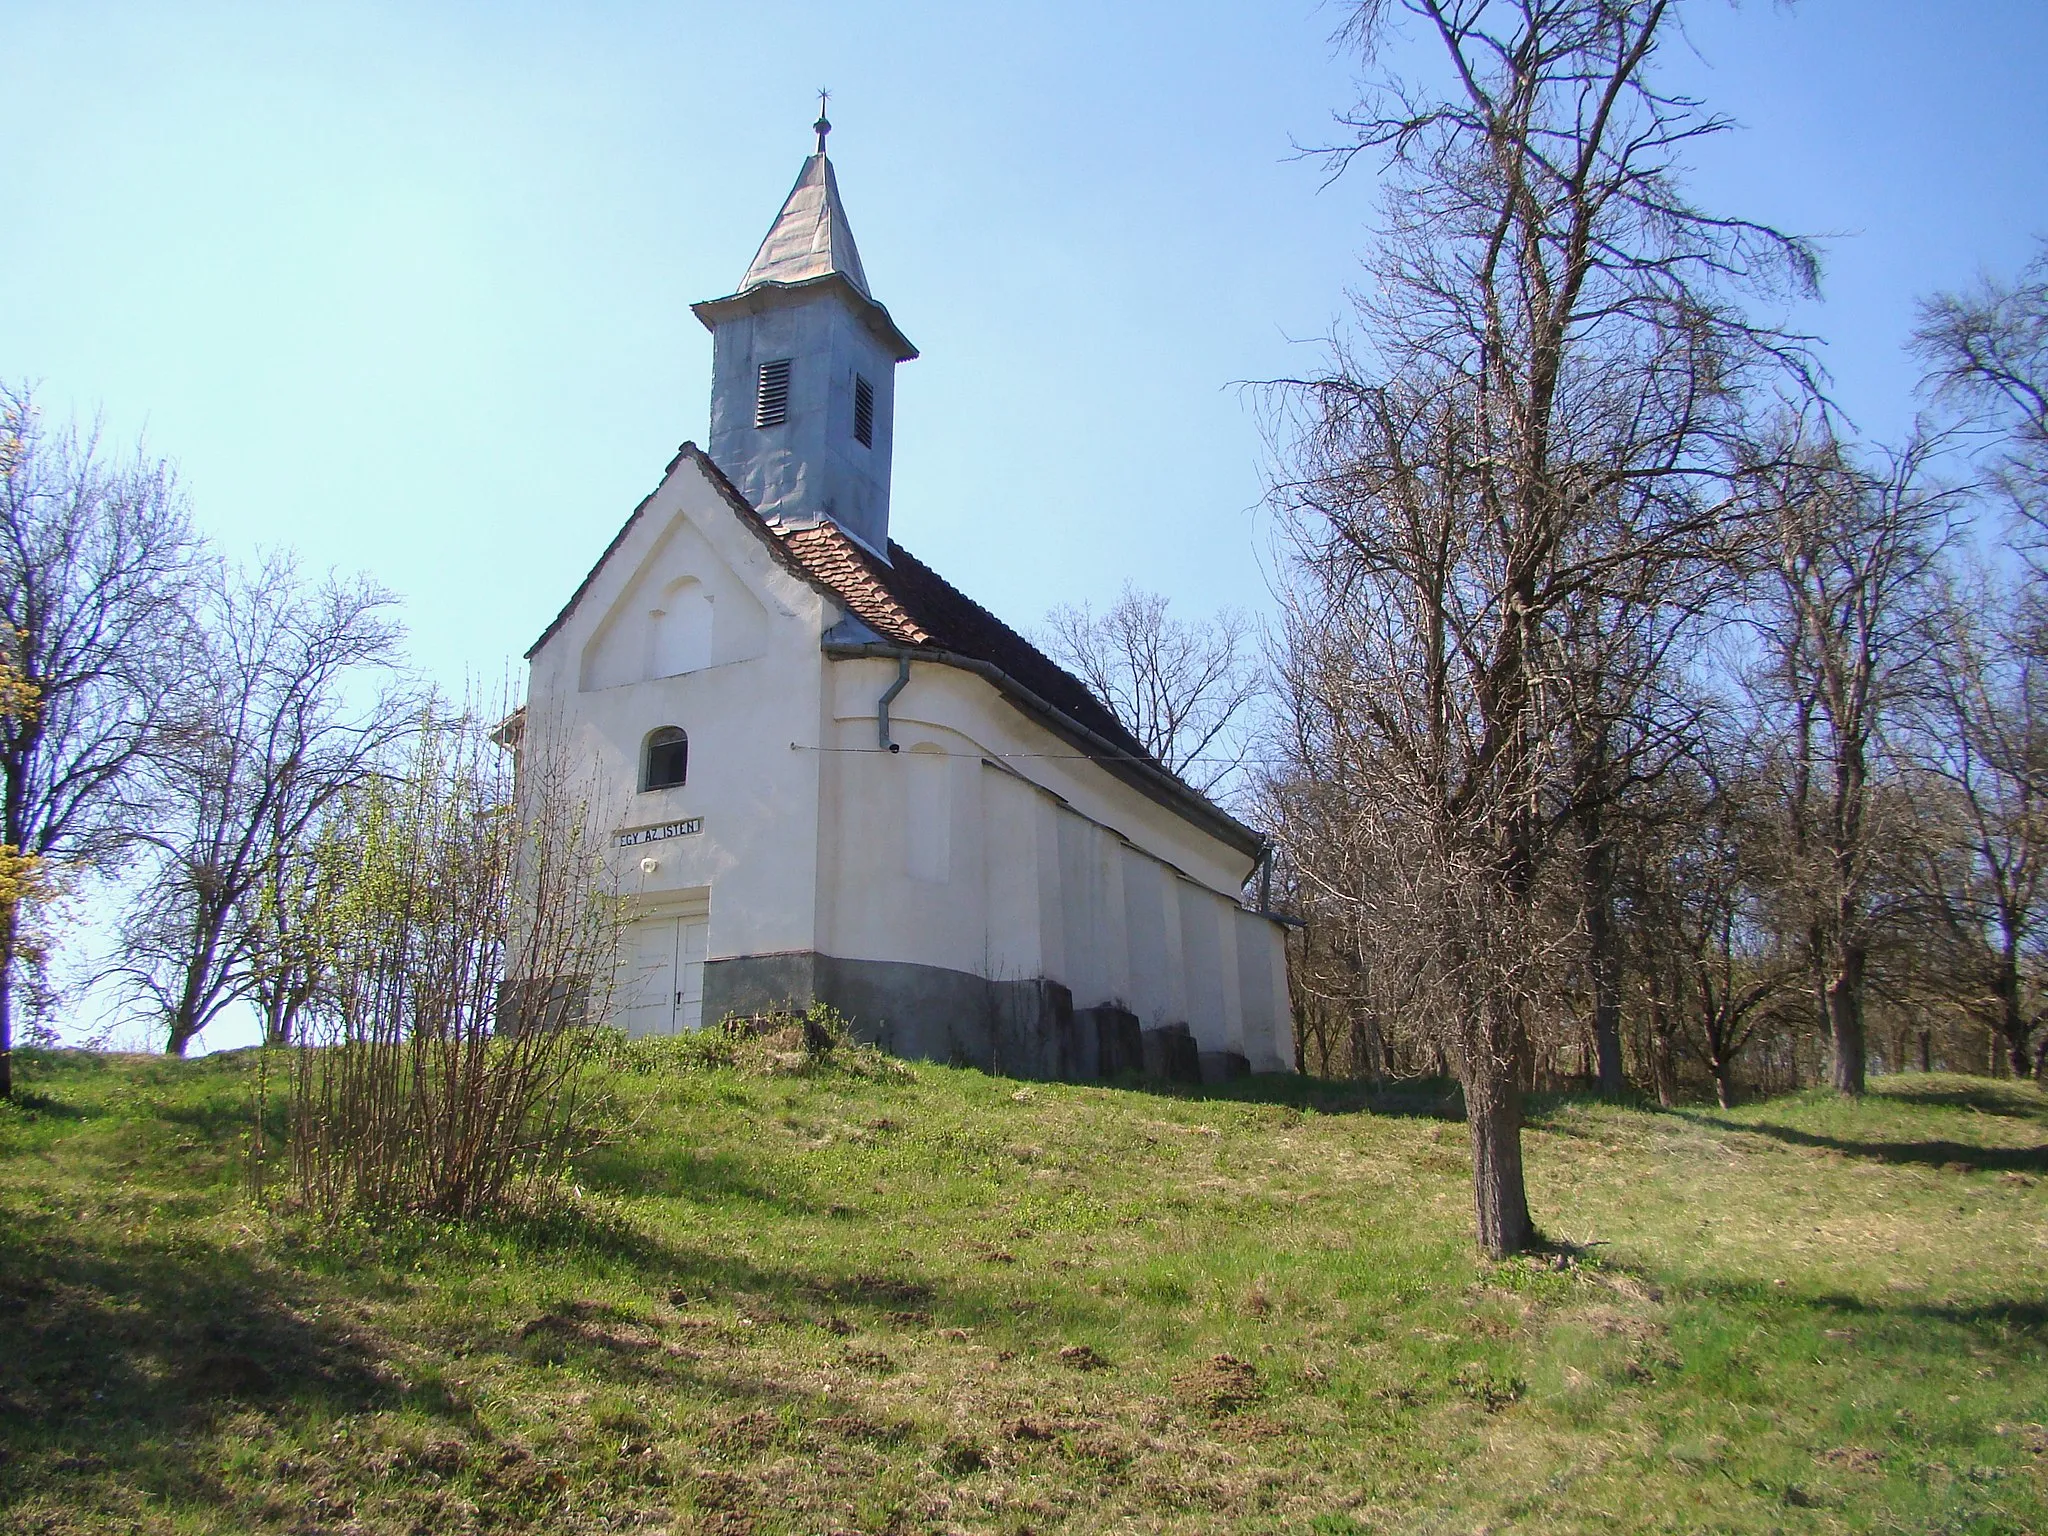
(1266, 890)
(889, 697)
(1140, 773)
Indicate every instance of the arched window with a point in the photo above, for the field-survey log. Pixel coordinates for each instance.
(665, 759)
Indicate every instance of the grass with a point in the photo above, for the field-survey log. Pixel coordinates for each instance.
(933, 1300)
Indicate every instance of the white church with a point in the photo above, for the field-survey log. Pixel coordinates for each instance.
(838, 779)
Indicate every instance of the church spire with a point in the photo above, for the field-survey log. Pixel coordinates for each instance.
(810, 237)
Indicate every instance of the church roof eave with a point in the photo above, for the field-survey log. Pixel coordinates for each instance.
(909, 608)
(711, 313)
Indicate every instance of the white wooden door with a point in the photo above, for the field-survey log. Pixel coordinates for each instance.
(650, 982)
(693, 942)
(664, 984)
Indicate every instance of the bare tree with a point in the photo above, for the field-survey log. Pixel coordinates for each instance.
(1181, 688)
(1986, 353)
(95, 556)
(1349, 977)
(1551, 386)
(1630, 713)
(1985, 350)
(1983, 752)
(1846, 637)
(1705, 915)
(289, 703)
(284, 918)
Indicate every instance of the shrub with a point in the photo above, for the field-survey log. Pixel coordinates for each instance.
(469, 932)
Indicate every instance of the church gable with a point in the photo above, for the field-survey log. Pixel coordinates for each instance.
(693, 580)
(683, 609)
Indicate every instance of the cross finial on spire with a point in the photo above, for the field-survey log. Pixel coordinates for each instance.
(823, 125)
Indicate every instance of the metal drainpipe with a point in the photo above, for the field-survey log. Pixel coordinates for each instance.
(1266, 881)
(882, 704)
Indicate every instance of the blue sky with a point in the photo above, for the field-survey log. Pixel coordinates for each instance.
(407, 286)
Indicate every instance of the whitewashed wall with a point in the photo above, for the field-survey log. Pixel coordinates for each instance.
(1051, 868)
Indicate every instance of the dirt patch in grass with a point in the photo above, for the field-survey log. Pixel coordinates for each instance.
(864, 1430)
(878, 1290)
(748, 1435)
(1611, 1322)
(556, 1335)
(1222, 1384)
(1492, 1389)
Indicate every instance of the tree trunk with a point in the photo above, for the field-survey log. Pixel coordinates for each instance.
(1603, 957)
(1494, 1115)
(1845, 1019)
(7, 920)
(181, 1028)
(1361, 1048)
(277, 1025)
(1926, 1050)
(1493, 1068)
(2012, 1019)
(1660, 1041)
(1724, 1084)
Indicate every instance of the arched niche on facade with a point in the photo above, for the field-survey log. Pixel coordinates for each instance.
(679, 629)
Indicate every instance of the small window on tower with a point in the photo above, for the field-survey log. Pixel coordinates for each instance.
(665, 760)
(771, 394)
(863, 411)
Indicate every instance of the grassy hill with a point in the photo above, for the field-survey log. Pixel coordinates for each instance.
(906, 1300)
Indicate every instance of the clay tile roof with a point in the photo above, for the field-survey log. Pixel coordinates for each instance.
(907, 603)
(859, 580)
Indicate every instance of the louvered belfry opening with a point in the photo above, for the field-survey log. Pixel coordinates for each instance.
(863, 412)
(771, 394)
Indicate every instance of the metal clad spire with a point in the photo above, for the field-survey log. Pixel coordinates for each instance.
(810, 236)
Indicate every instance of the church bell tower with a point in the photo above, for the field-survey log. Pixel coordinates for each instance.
(803, 370)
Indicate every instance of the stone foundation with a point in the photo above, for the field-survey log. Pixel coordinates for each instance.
(1223, 1066)
(1170, 1054)
(1027, 1029)
(1111, 1041)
